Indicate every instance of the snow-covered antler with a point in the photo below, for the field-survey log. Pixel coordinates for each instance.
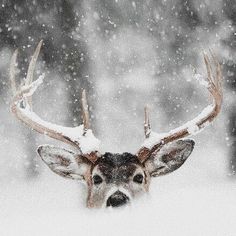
(80, 137)
(154, 142)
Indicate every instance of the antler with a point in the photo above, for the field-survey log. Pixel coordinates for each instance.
(80, 137)
(154, 142)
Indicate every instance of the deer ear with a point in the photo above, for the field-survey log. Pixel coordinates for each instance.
(170, 157)
(63, 162)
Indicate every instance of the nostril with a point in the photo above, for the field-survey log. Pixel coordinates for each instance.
(117, 199)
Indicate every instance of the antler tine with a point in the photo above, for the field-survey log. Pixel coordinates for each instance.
(198, 123)
(209, 69)
(147, 126)
(30, 71)
(70, 135)
(85, 112)
(218, 72)
(214, 83)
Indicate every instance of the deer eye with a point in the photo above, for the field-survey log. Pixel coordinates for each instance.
(138, 178)
(97, 179)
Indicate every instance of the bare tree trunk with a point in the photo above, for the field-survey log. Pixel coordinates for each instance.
(230, 75)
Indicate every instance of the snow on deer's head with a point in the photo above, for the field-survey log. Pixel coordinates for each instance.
(112, 179)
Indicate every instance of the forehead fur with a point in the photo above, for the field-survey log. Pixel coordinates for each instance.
(118, 160)
(117, 167)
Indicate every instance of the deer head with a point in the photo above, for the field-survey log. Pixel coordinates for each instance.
(112, 179)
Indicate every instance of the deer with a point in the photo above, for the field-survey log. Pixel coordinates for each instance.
(112, 179)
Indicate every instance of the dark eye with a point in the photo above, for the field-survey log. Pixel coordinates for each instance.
(97, 179)
(138, 178)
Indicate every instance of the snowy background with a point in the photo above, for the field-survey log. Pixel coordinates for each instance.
(125, 54)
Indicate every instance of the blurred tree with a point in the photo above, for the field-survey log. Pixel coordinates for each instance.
(229, 9)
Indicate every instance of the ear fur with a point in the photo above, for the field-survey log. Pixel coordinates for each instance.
(170, 157)
(63, 162)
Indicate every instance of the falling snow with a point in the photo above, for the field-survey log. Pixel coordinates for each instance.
(126, 54)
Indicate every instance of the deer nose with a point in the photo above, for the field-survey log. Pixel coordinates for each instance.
(117, 199)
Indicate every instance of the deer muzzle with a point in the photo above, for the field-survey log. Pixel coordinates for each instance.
(117, 199)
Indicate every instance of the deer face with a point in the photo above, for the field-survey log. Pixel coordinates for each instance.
(115, 179)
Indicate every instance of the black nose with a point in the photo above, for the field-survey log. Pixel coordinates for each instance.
(117, 199)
